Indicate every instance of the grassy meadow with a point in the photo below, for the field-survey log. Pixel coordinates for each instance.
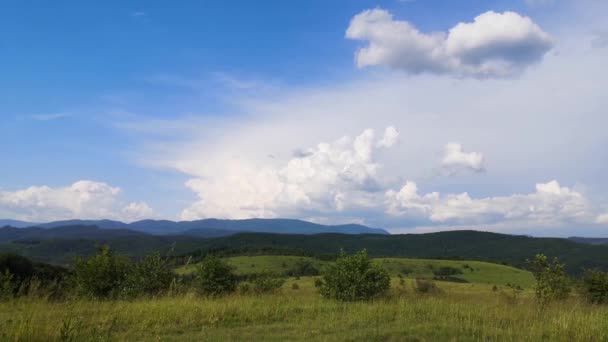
(472, 271)
(486, 309)
(461, 312)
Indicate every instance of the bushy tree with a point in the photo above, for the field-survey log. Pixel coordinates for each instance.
(214, 277)
(102, 275)
(150, 276)
(354, 277)
(594, 286)
(552, 283)
(15, 271)
(267, 283)
(302, 268)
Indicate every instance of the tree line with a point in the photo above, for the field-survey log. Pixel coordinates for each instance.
(354, 277)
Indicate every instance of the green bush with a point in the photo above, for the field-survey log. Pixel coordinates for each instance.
(214, 277)
(267, 283)
(302, 268)
(426, 286)
(354, 277)
(594, 286)
(552, 283)
(101, 276)
(150, 276)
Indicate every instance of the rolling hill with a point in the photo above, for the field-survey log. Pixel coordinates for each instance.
(454, 245)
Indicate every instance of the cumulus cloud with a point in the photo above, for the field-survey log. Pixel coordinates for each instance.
(455, 158)
(549, 204)
(602, 219)
(330, 176)
(510, 121)
(493, 45)
(82, 200)
(391, 135)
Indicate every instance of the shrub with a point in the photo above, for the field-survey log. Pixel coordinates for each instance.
(244, 288)
(594, 286)
(7, 285)
(302, 268)
(101, 276)
(150, 276)
(354, 277)
(426, 286)
(267, 283)
(214, 277)
(552, 283)
(295, 286)
(447, 271)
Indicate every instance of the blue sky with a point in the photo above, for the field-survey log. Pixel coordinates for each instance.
(217, 109)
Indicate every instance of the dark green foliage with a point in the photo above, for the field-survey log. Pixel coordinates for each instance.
(425, 286)
(101, 276)
(471, 245)
(302, 268)
(552, 283)
(354, 277)
(21, 268)
(214, 277)
(594, 286)
(295, 286)
(446, 271)
(266, 283)
(151, 276)
(18, 274)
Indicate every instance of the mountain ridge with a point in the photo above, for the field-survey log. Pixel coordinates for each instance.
(212, 226)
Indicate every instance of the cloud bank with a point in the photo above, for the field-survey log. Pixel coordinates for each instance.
(82, 200)
(493, 45)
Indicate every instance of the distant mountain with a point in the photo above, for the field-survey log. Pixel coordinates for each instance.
(33, 235)
(16, 224)
(214, 227)
(589, 241)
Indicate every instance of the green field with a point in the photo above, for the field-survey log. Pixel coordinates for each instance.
(462, 312)
(473, 271)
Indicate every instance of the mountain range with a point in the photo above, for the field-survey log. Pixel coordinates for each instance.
(208, 227)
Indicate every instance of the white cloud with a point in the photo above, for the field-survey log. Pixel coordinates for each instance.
(82, 200)
(454, 158)
(549, 204)
(602, 219)
(135, 211)
(547, 124)
(329, 177)
(391, 135)
(493, 45)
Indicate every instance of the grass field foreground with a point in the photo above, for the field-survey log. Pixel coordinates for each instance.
(463, 312)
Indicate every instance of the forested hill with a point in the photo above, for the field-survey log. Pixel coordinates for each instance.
(470, 245)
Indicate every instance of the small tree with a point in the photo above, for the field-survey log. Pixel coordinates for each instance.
(302, 268)
(354, 277)
(214, 277)
(101, 276)
(150, 276)
(552, 283)
(594, 286)
(267, 283)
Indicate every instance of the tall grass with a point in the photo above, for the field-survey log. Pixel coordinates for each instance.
(461, 312)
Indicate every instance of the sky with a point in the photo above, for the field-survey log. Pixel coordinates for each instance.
(409, 115)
